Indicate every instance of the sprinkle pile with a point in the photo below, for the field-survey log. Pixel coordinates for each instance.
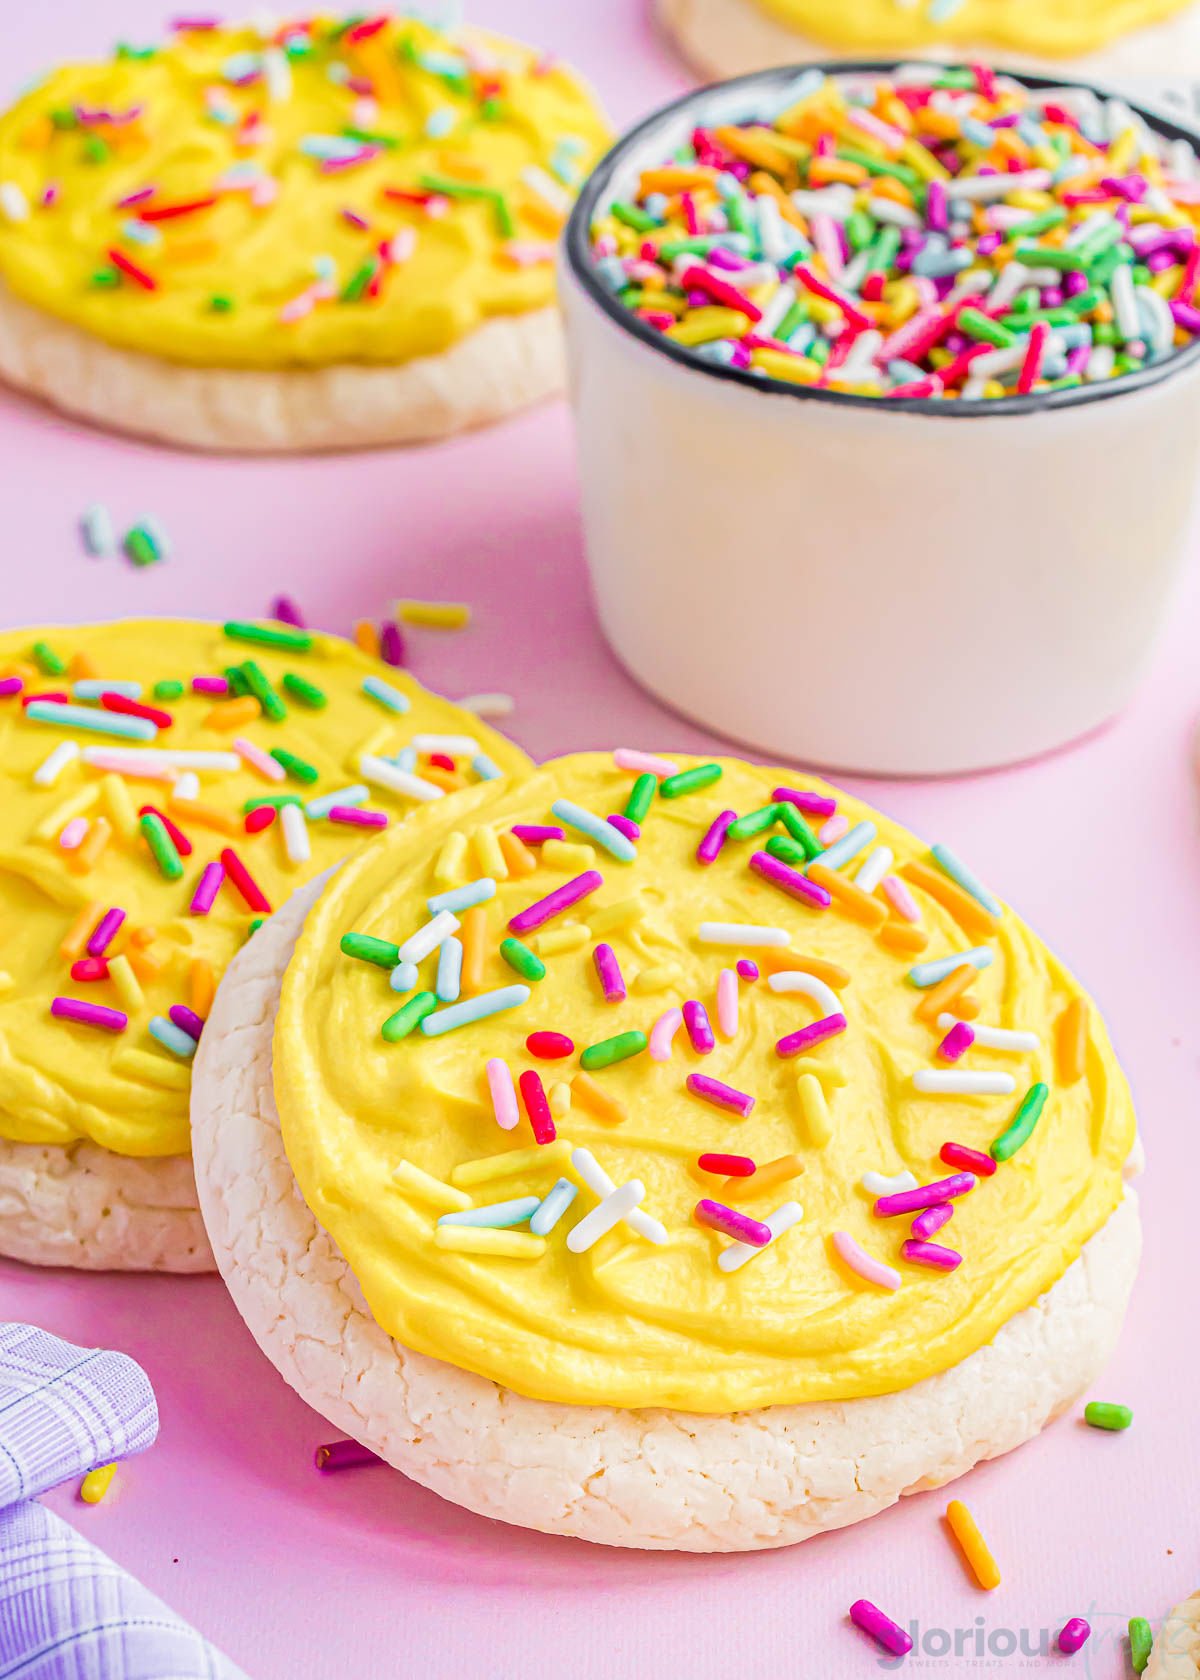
(936, 233)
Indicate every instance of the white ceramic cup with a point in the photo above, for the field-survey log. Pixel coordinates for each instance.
(900, 588)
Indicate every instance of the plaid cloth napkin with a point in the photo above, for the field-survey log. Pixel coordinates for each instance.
(67, 1612)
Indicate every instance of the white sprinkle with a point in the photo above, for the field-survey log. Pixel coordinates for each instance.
(878, 1184)
(740, 933)
(51, 768)
(546, 188)
(186, 786)
(13, 202)
(426, 939)
(795, 980)
(456, 746)
(994, 1038)
(295, 833)
(599, 1183)
(737, 1254)
(383, 774)
(99, 537)
(874, 868)
(986, 189)
(618, 1205)
(489, 705)
(277, 73)
(962, 1082)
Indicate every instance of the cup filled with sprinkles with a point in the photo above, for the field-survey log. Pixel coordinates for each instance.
(887, 391)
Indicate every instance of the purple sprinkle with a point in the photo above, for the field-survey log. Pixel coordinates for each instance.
(625, 826)
(747, 969)
(207, 888)
(612, 982)
(210, 685)
(930, 1254)
(925, 1195)
(105, 932)
(344, 1455)
(795, 1044)
(1185, 316)
(695, 1019)
(562, 898)
(937, 207)
(812, 804)
(391, 644)
(356, 815)
(710, 846)
(790, 881)
(534, 834)
(186, 1019)
(728, 1220)
(956, 1042)
(721, 1096)
(285, 611)
(933, 1218)
(1074, 1636)
(89, 1014)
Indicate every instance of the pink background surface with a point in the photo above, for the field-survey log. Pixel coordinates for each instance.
(363, 1574)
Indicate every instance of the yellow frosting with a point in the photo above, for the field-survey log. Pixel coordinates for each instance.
(466, 108)
(60, 1081)
(630, 1323)
(1049, 28)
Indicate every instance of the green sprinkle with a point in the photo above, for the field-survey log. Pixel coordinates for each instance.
(1048, 256)
(1021, 1128)
(270, 635)
(492, 110)
(447, 188)
(641, 797)
(371, 137)
(1042, 224)
(307, 693)
(367, 948)
(48, 661)
(980, 326)
(275, 799)
(818, 351)
(105, 277)
(161, 845)
(94, 149)
(238, 685)
(1105, 332)
(265, 692)
(795, 317)
(689, 781)
(359, 281)
(787, 850)
(754, 822)
(886, 248)
(641, 221)
(170, 688)
(737, 214)
(880, 166)
(255, 925)
(860, 230)
(408, 1017)
(297, 768)
(1103, 1414)
(793, 820)
(140, 547)
(527, 963)
(1141, 1643)
(220, 303)
(63, 118)
(610, 1050)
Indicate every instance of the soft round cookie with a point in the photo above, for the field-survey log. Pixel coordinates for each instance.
(1176, 1653)
(128, 921)
(729, 1427)
(320, 235)
(1101, 38)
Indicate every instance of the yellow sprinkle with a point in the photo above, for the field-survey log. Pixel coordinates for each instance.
(126, 982)
(448, 870)
(428, 1188)
(434, 615)
(487, 850)
(560, 1100)
(61, 815)
(96, 1483)
(797, 370)
(657, 979)
(974, 1548)
(565, 855)
(478, 1239)
(622, 914)
(831, 1076)
(155, 1070)
(119, 806)
(6, 981)
(704, 325)
(815, 1110)
(557, 940)
(917, 157)
(374, 746)
(1033, 201)
(513, 1161)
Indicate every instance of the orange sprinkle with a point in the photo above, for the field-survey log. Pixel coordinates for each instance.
(760, 182)
(783, 962)
(233, 714)
(202, 987)
(37, 136)
(676, 178)
(885, 186)
(473, 934)
(80, 666)
(1070, 1041)
(824, 170)
(967, 1006)
(943, 995)
(544, 216)
(941, 125)
(87, 855)
(767, 1178)
(596, 1099)
(852, 901)
(756, 148)
(143, 936)
(208, 816)
(967, 911)
(190, 251)
(146, 964)
(366, 637)
(451, 780)
(79, 932)
(903, 936)
(516, 854)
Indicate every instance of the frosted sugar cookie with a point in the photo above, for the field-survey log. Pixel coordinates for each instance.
(166, 783)
(316, 236)
(714, 1182)
(1096, 37)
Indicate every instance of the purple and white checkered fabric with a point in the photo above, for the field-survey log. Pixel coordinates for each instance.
(67, 1612)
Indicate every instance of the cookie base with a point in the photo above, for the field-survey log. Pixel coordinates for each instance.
(1176, 1653)
(505, 365)
(658, 1479)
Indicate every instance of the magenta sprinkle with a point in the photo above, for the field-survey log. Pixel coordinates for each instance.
(709, 848)
(812, 804)
(970, 1160)
(956, 1042)
(343, 1455)
(624, 825)
(924, 1196)
(207, 888)
(699, 1029)
(89, 1014)
(790, 881)
(795, 1044)
(612, 982)
(210, 685)
(562, 898)
(391, 644)
(10, 685)
(747, 969)
(535, 834)
(871, 1619)
(104, 932)
(731, 1223)
(357, 816)
(721, 1096)
(550, 1046)
(285, 611)
(929, 1254)
(138, 197)
(1074, 1636)
(186, 1020)
(933, 1218)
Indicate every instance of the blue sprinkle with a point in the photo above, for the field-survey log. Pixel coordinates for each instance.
(99, 537)
(91, 688)
(449, 971)
(966, 879)
(929, 973)
(171, 1037)
(462, 898)
(555, 1204)
(497, 1216)
(357, 794)
(403, 977)
(439, 123)
(474, 1009)
(608, 838)
(486, 769)
(387, 696)
(859, 837)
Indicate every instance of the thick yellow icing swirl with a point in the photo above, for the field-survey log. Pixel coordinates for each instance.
(246, 118)
(630, 1323)
(1046, 28)
(59, 1081)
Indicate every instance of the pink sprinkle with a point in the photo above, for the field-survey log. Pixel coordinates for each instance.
(731, 1223)
(858, 1260)
(924, 1196)
(931, 1254)
(625, 825)
(357, 816)
(662, 1034)
(727, 1003)
(695, 1019)
(956, 1042)
(933, 1218)
(720, 1095)
(105, 932)
(355, 220)
(748, 970)
(73, 834)
(210, 685)
(186, 1020)
(797, 1043)
(10, 685)
(562, 898)
(257, 759)
(89, 1014)
(901, 900)
(970, 1160)
(790, 881)
(138, 197)
(833, 830)
(127, 764)
(503, 1094)
(207, 888)
(612, 982)
(709, 848)
(536, 834)
(643, 763)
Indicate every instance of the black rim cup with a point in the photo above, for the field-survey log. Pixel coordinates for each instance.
(594, 190)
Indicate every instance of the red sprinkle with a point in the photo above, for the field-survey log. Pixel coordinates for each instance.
(970, 1160)
(170, 212)
(550, 1046)
(28, 699)
(261, 817)
(134, 708)
(89, 968)
(443, 761)
(245, 883)
(729, 1166)
(119, 260)
(533, 1095)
